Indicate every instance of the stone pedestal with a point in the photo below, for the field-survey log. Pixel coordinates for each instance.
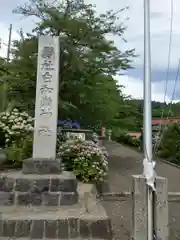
(57, 222)
(18, 189)
(140, 217)
(41, 166)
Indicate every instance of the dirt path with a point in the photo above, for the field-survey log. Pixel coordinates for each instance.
(123, 163)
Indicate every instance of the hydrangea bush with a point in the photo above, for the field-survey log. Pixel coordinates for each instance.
(15, 125)
(86, 159)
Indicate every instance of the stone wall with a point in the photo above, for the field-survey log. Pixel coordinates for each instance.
(58, 229)
(48, 190)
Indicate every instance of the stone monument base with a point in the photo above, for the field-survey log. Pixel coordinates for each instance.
(41, 166)
(85, 220)
(18, 189)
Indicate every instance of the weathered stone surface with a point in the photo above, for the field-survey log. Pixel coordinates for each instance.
(84, 228)
(41, 166)
(68, 198)
(58, 222)
(22, 228)
(38, 199)
(41, 185)
(73, 227)
(45, 131)
(35, 189)
(101, 229)
(139, 191)
(7, 198)
(23, 185)
(62, 231)
(103, 187)
(29, 199)
(57, 229)
(37, 229)
(6, 184)
(7, 228)
(32, 185)
(162, 208)
(51, 199)
(140, 209)
(62, 185)
(51, 229)
(16, 180)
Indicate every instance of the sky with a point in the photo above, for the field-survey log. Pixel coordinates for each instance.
(160, 34)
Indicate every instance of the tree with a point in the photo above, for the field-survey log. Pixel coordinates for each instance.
(129, 118)
(5, 103)
(3, 68)
(170, 144)
(87, 59)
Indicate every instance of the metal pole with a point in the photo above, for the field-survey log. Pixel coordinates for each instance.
(148, 109)
(9, 42)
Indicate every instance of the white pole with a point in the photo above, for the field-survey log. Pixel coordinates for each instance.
(9, 43)
(147, 108)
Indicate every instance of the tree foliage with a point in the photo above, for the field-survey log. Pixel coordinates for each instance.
(159, 108)
(88, 60)
(170, 143)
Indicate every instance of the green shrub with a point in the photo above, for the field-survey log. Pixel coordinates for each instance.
(170, 143)
(16, 135)
(116, 132)
(15, 125)
(128, 140)
(19, 150)
(86, 159)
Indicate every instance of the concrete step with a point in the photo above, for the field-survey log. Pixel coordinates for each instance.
(4, 238)
(17, 188)
(87, 219)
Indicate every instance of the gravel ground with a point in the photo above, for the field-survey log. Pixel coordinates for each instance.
(123, 163)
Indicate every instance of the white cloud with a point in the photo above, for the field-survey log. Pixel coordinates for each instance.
(160, 29)
(134, 88)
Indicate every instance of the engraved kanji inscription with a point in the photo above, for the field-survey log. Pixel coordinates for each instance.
(46, 101)
(45, 112)
(46, 105)
(45, 131)
(47, 77)
(45, 89)
(47, 65)
(47, 52)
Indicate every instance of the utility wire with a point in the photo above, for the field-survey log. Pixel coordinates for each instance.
(170, 106)
(168, 67)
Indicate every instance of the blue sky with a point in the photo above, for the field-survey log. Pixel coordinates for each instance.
(160, 29)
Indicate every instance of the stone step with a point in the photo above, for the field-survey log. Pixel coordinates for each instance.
(4, 238)
(82, 220)
(37, 199)
(17, 188)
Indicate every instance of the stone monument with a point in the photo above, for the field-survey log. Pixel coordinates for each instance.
(40, 202)
(46, 109)
(42, 172)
